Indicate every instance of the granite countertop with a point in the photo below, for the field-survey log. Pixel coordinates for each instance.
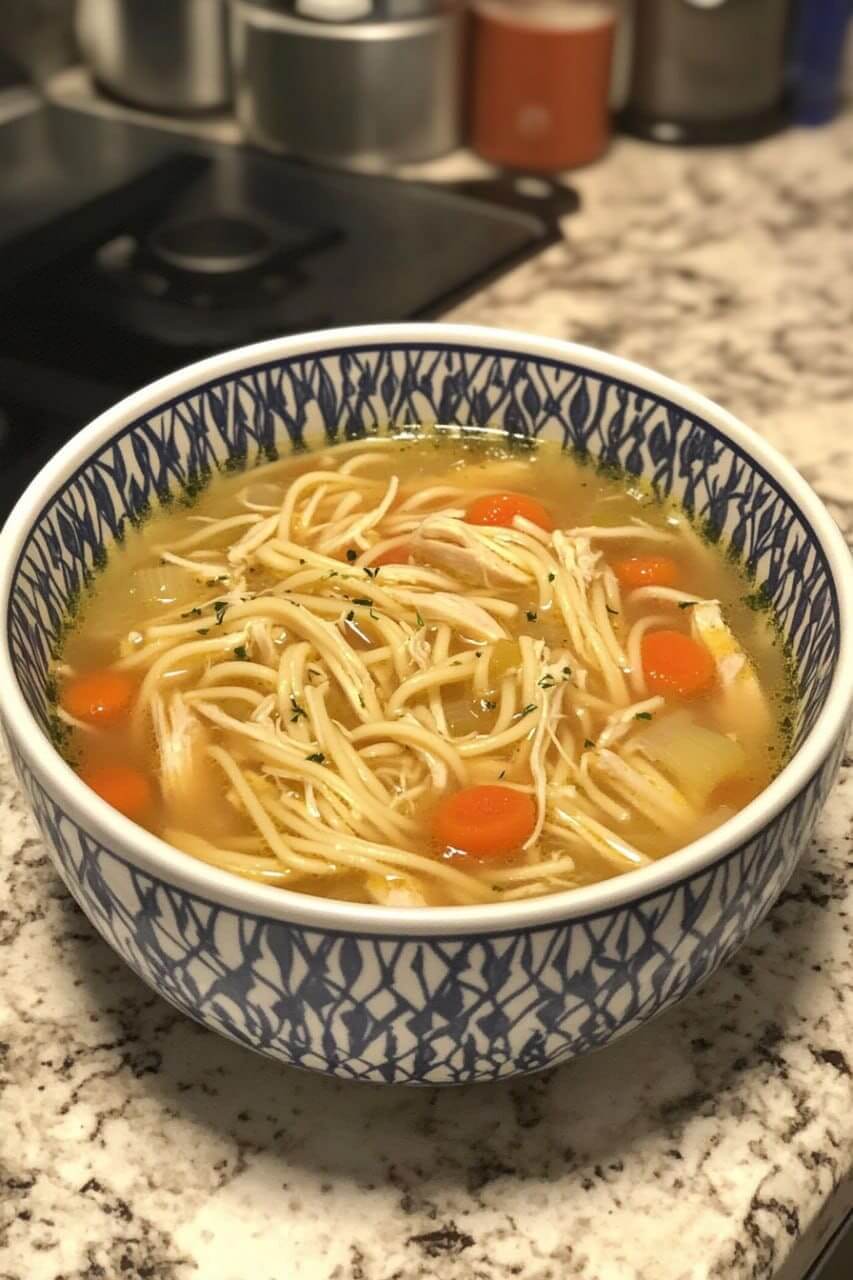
(713, 1144)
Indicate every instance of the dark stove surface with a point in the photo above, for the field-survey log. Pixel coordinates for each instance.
(141, 251)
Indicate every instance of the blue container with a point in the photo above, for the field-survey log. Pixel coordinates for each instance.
(817, 53)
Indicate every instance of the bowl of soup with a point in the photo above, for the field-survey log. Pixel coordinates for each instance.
(423, 703)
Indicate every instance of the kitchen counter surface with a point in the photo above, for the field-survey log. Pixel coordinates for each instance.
(713, 1144)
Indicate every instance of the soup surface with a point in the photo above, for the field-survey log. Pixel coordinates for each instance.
(424, 671)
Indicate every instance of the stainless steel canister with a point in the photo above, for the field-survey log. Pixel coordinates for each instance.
(706, 64)
(364, 94)
(164, 55)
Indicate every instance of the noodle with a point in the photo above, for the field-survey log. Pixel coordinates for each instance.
(372, 651)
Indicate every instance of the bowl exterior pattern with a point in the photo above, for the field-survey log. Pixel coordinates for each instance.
(430, 1009)
(448, 1010)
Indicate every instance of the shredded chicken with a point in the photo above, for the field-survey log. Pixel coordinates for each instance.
(182, 743)
(743, 705)
(454, 545)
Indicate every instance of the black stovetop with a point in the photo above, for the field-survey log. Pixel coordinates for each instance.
(126, 252)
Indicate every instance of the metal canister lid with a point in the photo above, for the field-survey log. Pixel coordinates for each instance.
(342, 11)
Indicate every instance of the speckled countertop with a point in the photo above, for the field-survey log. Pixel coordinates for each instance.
(713, 1144)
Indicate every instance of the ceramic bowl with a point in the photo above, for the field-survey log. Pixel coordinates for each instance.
(456, 994)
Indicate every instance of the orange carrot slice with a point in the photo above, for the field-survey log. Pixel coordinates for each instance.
(394, 555)
(101, 697)
(486, 821)
(646, 571)
(502, 508)
(675, 664)
(125, 788)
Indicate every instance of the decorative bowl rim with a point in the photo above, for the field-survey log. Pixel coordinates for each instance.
(148, 853)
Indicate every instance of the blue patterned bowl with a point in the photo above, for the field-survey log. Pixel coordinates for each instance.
(460, 993)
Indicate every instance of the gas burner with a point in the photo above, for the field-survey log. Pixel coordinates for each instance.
(153, 257)
(215, 262)
(198, 279)
(213, 244)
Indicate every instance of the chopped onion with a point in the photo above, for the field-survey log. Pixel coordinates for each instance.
(263, 494)
(163, 585)
(697, 759)
(138, 597)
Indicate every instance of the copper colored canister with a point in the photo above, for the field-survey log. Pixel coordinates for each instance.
(541, 81)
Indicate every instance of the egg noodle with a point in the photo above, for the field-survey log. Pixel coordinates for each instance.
(341, 625)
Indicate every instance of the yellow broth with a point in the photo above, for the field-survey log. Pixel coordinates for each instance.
(112, 624)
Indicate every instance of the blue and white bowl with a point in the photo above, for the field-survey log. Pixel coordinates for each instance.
(453, 994)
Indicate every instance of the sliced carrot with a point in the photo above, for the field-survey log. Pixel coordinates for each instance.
(487, 821)
(101, 697)
(126, 789)
(736, 793)
(646, 571)
(675, 664)
(394, 555)
(502, 508)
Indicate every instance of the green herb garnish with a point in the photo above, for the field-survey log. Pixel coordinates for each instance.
(241, 653)
(643, 715)
(298, 712)
(588, 744)
(760, 599)
(531, 615)
(317, 758)
(219, 607)
(351, 555)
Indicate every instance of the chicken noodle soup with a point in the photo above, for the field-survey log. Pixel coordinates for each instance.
(424, 671)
